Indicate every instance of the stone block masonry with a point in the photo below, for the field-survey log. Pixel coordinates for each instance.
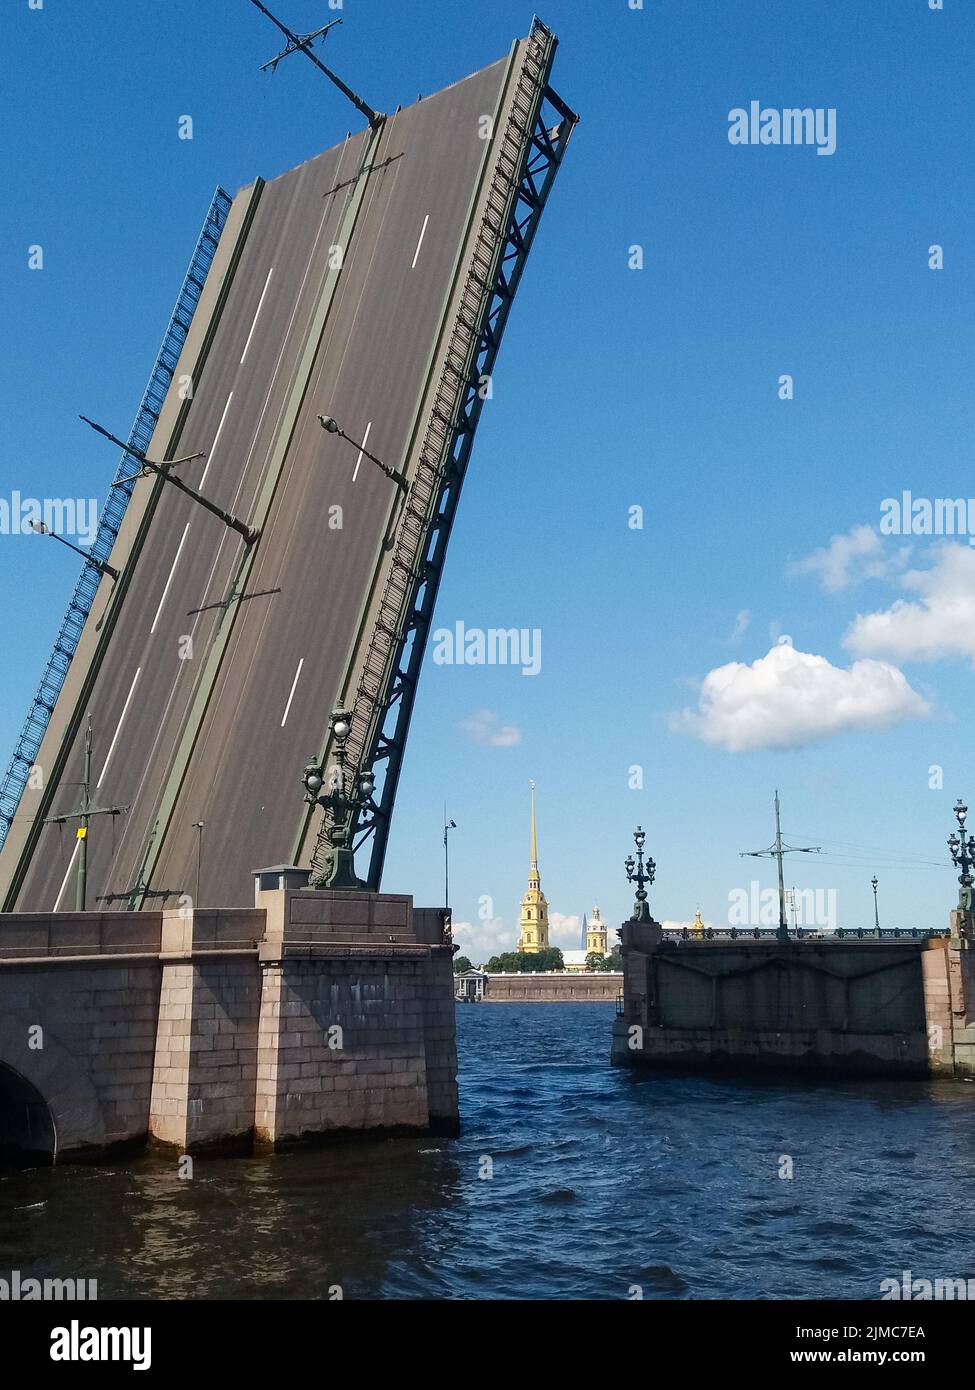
(314, 1014)
(856, 1006)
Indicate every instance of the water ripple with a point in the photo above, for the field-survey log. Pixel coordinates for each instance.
(603, 1184)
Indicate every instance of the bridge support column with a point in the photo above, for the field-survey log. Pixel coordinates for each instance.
(356, 1029)
(961, 963)
(205, 1067)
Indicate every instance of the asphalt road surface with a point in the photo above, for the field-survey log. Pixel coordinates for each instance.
(230, 657)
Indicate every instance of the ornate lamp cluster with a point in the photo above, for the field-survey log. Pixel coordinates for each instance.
(343, 800)
(639, 873)
(962, 847)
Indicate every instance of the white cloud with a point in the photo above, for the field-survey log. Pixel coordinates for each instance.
(939, 624)
(479, 941)
(485, 728)
(790, 698)
(857, 554)
(564, 932)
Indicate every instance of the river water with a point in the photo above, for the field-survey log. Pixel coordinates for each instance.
(600, 1183)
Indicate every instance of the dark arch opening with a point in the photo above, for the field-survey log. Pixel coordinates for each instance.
(26, 1126)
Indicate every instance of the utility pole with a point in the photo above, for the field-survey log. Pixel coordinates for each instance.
(777, 850)
(83, 817)
(302, 43)
(140, 890)
(164, 471)
(198, 825)
(791, 896)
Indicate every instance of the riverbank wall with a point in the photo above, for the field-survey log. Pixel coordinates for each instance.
(553, 987)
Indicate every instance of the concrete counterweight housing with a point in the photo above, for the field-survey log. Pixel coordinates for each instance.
(312, 1014)
(887, 1007)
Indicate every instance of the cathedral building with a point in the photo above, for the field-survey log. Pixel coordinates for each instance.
(595, 929)
(594, 934)
(533, 933)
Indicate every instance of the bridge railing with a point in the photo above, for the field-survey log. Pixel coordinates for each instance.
(805, 934)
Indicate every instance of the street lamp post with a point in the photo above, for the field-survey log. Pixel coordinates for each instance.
(332, 427)
(344, 801)
(101, 566)
(962, 847)
(638, 874)
(876, 914)
(447, 825)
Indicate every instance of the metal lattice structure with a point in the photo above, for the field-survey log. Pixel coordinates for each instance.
(113, 511)
(533, 143)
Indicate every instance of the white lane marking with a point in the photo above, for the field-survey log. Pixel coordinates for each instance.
(183, 665)
(216, 439)
(125, 710)
(423, 232)
(179, 548)
(294, 686)
(57, 900)
(179, 551)
(260, 306)
(365, 441)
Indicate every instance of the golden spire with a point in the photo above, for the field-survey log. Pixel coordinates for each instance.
(697, 925)
(534, 865)
(533, 935)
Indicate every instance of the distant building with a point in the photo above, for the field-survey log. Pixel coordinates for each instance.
(596, 933)
(574, 961)
(698, 926)
(470, 986)
(533, 933)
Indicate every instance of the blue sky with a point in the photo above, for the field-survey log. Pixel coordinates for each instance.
(616, 388)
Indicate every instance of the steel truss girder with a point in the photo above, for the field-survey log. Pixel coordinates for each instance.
(542, 159)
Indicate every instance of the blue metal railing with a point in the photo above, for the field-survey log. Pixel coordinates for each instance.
(113, 511)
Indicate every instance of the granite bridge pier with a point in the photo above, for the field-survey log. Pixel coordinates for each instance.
(314, 1013)
(890, 1003)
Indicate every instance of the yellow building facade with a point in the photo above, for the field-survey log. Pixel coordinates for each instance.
(596, 933)
(533, 930)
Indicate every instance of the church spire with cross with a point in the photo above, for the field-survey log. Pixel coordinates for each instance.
(533, 933)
